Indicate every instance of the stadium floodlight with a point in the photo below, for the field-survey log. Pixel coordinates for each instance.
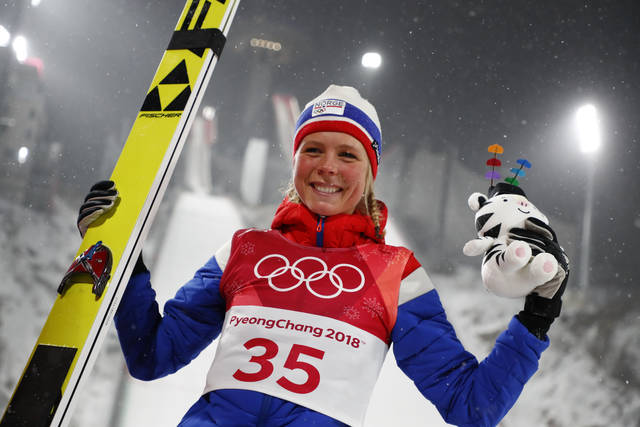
(371, 60)
(588, 128)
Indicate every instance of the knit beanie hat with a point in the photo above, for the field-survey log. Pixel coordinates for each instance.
(342, 109)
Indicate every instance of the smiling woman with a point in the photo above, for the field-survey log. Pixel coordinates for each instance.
(324, 266)
(455, 77)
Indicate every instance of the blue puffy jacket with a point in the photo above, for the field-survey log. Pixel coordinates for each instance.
(466, 393)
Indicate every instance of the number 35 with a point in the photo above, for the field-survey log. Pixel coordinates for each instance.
(292, 362)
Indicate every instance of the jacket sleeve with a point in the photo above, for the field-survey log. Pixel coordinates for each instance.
(466, 393)
(155, 345)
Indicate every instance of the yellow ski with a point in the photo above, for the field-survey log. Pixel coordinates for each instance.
(80, 316)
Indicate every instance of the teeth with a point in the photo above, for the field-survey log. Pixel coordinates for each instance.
(326, 189)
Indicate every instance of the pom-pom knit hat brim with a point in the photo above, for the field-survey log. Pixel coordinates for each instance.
(342, 109)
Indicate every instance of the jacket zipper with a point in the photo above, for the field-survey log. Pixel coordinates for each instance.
(264, 410)
(320, 231)
(266, 400)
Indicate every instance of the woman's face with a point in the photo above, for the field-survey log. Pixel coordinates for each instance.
(329, 172)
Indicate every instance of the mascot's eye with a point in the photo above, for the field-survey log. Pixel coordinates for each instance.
(505, 200)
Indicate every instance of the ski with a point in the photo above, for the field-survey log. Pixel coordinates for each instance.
(91, 290)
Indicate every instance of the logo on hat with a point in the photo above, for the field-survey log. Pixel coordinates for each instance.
(328, 106)
(376, 148)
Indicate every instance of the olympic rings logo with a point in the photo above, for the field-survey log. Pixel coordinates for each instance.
(298, 274)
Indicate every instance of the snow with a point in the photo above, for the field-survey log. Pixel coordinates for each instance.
(35, 248)
(572, 388)
(199, 225)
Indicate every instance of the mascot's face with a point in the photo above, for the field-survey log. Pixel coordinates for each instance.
(497, 215)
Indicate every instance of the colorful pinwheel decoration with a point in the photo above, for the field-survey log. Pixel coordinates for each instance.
(524, 163)
(494, 162)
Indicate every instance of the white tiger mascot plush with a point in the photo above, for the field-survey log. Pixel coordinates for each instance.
(508, 267)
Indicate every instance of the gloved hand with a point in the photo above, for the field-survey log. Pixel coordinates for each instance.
(544, 303)
(101, 198)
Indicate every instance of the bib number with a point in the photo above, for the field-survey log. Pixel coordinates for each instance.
(266, 367)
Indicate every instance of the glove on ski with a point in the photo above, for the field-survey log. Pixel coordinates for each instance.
(543, 304)
(101, 198)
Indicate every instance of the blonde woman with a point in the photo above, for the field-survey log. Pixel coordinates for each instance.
(307, 309)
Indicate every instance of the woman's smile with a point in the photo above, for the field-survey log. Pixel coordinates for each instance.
(325, 189)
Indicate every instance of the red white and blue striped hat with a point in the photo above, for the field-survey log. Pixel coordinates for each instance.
(342, 109)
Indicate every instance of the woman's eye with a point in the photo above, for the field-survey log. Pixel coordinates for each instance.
(348, 155)
(311, 150)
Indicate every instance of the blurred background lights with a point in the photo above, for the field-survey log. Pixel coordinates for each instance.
(20, 47)
(5, 36)
(23, 153)
(265, 44)
(371, 60)
(208, 112)
(36, 3)
(588, 128)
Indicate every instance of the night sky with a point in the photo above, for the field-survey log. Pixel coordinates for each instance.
(455, 75)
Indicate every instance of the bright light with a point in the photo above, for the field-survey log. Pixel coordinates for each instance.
(20, 47)
(208, 112)
(36, 3)
(23, 153)
(5, 36)
(588, 127)
(371, 60)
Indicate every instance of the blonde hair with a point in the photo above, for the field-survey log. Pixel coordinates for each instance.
(368, 204)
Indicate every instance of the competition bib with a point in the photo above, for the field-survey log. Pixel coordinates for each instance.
(309, 325)
(300, 357)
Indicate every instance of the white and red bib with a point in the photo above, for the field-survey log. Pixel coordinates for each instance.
(306, 324)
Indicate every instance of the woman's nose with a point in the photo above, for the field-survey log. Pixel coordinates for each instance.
(328, 165)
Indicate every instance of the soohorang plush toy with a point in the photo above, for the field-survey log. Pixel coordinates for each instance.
(509, 268)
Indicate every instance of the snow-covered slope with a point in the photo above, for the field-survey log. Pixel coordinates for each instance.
(35, 250)
(572, 388)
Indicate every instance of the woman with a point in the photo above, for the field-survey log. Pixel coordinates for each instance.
(307, 310)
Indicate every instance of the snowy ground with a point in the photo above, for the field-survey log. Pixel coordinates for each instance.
(572, 388)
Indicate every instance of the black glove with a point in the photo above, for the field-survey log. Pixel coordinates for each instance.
(101, 198)
(544, 303)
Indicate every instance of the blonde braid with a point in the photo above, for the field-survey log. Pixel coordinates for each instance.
(291, 193)
(376, 214)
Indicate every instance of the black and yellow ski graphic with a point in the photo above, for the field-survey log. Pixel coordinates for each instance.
(77, 324)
